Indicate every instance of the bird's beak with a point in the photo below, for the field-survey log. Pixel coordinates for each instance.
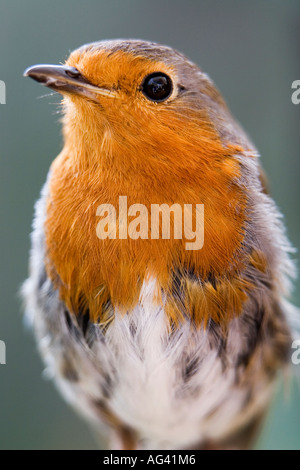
(65, 79)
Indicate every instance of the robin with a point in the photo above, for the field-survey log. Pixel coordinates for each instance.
(157, 345)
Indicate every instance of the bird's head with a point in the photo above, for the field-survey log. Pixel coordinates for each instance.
(145, 97)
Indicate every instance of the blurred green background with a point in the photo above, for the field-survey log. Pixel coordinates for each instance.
(251, 49)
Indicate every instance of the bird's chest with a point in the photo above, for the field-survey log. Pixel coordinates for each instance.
(101, 273)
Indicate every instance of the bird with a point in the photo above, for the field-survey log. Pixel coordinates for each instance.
(157, 345)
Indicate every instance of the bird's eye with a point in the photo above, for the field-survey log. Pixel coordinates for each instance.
(157, 86)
